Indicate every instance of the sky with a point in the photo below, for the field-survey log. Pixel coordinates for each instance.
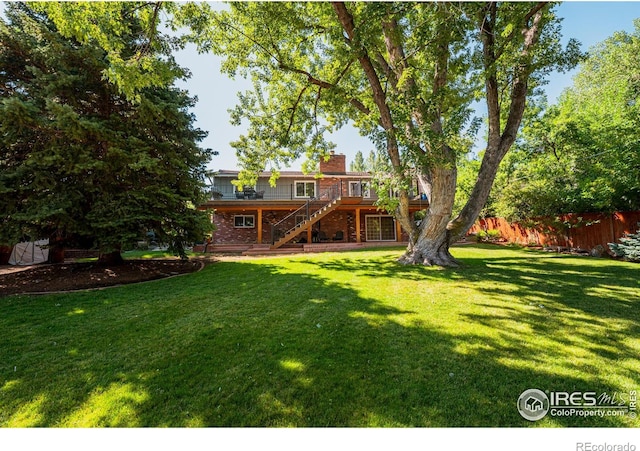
(588, 22)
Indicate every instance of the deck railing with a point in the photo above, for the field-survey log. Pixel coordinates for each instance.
(284, 191)
(280, 192)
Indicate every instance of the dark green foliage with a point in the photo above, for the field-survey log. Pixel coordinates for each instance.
(628, 248)
(77, 159)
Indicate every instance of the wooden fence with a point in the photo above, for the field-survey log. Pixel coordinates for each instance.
(576, 231)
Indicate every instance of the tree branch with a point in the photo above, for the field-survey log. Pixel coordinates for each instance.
(487, 23)
(152, 31)
(327, 85)
(532, 12)
(356, 103)
(520, 84)
(379, 97)
(310, 78)
(294, 109)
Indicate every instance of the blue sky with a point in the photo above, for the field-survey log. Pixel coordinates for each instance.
(588, 22)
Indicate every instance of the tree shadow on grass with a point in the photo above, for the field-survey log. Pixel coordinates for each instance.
(242, 344)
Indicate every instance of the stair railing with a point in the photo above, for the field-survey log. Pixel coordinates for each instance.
(305, 212)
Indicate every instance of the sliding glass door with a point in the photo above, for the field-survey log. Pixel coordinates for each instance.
(380, 228)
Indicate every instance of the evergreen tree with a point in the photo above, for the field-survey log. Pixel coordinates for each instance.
(357, 165)
(79, 160)
(628, 248)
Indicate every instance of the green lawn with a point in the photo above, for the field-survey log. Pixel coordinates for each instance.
(335, 339)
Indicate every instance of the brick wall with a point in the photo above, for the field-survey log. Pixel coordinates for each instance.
(227, 233)
(342, 220)
(346, 221)
(337, 220)
(337, 164)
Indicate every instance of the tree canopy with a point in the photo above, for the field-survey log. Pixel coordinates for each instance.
(130, 66)
(78, 159)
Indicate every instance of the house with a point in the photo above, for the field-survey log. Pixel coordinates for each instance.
(337, 207)
(533, 404)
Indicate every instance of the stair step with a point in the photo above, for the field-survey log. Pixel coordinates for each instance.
(296, 230)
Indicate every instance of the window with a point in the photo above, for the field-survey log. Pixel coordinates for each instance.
(380, 228)
(305, 189)
(359, 189)
(244, 221)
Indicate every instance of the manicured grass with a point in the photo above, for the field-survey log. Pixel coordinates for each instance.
(142, 255)
(139, 254)
(336, 339)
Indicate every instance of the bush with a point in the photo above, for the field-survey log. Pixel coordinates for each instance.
(491, 236)
(628, 248)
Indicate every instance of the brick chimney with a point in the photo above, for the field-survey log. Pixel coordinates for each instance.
(337, 164)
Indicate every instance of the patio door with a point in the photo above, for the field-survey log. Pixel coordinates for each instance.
(380, 228)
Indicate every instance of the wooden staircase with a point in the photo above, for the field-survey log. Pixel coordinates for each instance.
(304, 225)
(312, 211)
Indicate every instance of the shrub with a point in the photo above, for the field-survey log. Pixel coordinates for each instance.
(491, 235)
(628, 248)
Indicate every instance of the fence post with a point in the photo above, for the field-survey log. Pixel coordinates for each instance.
(612, 220)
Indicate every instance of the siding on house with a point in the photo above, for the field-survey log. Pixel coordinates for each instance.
(285, 188)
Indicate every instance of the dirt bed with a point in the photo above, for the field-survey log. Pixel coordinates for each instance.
(81, 276)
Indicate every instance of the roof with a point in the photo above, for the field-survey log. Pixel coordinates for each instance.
(290, 174)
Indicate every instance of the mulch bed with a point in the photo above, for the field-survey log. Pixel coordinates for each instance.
(81, 276)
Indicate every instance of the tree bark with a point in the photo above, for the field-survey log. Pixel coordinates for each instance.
(380, 99)
(431, 245)
(498, 143)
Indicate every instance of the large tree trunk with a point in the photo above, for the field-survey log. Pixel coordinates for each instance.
(430, 251)
(431, 246)
(459, 226)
